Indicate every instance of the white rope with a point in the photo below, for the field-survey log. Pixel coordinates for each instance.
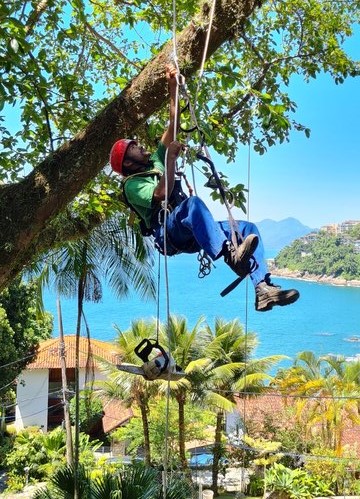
(201, 71)
(180, 81)
(174, 38)
(206, 152)
(167, 299)
(247, 290)
(193, 113)
(166, 201)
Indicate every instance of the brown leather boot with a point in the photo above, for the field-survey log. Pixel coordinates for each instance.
(269, 295)
(238, 258)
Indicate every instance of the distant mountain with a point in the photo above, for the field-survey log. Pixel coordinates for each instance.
(277, 235)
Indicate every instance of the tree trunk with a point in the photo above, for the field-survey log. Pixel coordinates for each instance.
(145, 422)
(182, 452)
(27, 207)
(217, 452)
(69, 442)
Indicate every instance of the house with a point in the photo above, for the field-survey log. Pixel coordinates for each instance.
(272, 407)
(39, 386)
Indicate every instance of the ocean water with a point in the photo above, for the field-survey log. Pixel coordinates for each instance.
(324, 320)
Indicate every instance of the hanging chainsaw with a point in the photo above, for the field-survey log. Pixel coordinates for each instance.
(157, 363)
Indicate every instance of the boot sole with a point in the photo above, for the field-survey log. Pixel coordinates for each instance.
(252, 243)
(269, 303)
(246, 256)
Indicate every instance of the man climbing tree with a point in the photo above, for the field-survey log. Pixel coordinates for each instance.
(190, 226)
(69, 88)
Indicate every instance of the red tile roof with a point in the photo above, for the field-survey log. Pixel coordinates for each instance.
(255, 409)
(48, 354)
(115, 414)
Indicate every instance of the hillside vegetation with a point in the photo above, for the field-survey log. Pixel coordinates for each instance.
(324, 254)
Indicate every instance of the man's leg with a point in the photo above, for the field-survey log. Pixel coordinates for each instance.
(192, 221)
(191, 227)
(267, 294)
(245, 229)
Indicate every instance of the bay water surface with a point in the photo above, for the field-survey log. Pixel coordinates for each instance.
(325, 319)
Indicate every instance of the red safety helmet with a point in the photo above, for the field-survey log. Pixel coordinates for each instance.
(118, 152)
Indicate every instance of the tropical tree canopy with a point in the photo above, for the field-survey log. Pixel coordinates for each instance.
(22, 327)
(328, 390)
(75, 76)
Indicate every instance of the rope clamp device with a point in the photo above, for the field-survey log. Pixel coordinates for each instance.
(214, 182)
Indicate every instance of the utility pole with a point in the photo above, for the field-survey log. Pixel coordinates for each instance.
(69, 441)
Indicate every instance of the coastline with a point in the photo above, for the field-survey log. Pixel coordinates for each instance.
(306, 276)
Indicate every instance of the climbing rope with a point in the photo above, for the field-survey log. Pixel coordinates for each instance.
(204, 260)
(166, 450)
(247, 291)
(206, 157)
(208, 33)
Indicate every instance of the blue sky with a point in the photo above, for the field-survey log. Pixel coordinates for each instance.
(315, 180)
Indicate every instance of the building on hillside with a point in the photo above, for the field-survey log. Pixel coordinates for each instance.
(330, 229)
(344, 227)
(340, 228)
(357, 246)
(39, 386)
(309, 238)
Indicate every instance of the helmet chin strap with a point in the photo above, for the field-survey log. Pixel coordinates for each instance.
(140, 167)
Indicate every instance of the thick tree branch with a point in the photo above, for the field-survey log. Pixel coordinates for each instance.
(34, 16)
(27, 207)
(111, 45)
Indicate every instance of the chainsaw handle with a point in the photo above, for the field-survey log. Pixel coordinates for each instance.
(146, 346)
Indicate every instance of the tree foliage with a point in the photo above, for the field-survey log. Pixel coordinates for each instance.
(325, 255)
(135, 482)
(62, 62)
(328, 390)
(197, 421)
(90, 411)
(354, 232)
(77, 75)
(22, 327)
(42, 454)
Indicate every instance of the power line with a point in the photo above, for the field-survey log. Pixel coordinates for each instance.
(47, 409)
(8, 406)
(8, 384)
(17, 361)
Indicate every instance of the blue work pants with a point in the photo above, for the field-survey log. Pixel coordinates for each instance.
(191, 227)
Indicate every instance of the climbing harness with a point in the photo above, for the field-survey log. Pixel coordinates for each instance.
(157, 363)
(177, 196)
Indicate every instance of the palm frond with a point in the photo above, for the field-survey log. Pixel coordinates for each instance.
(214, 400)
(252, 382)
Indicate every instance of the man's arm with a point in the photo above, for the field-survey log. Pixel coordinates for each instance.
(173, 152)
(173, 147)
(168, 135)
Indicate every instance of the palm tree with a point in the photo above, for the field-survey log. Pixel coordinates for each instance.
(346, 396)
(127, 387)
(230, 371)
(110, 253)
(53, 447)
(135, 482)
(184, 347)
(328, 390)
